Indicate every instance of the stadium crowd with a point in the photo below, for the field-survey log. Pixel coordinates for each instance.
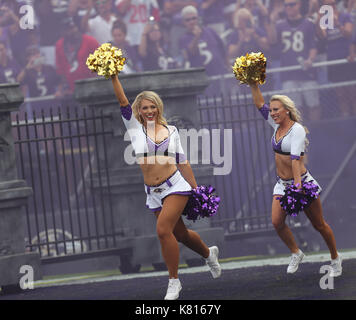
(47, 58)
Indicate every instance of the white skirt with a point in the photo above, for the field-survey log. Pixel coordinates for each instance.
(281, 184)
(175, 184)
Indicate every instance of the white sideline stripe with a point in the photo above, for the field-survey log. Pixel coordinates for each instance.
(323, 257)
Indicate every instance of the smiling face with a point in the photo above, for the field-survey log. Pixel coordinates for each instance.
(148, 111)
(278, 112)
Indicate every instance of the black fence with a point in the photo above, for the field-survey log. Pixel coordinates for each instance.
(58, 155)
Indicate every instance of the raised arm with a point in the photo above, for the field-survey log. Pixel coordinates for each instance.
(257, 95)
(119, 91)
(259, 102)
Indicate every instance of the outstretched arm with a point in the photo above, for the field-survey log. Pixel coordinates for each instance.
(259, 101)
(119, 91)
(257, 95)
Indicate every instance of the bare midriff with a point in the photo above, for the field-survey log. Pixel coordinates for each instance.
(284, 166)
(156, 169)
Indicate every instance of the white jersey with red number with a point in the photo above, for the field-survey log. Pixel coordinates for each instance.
(137, 17)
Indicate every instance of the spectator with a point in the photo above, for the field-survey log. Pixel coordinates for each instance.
(201, 45)
(152, 50)
(118, 32)
(100, 27)
(72, 51)
(135, 14)
(9, 68)
(246, 36)
(295, 38)
(40, 79)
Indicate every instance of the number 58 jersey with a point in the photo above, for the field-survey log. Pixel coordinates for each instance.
(295, 39)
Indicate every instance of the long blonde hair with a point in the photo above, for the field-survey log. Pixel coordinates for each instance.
(155, 99)
(294, 113)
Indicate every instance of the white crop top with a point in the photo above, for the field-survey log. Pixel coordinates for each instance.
(144, 146)
(292, 143)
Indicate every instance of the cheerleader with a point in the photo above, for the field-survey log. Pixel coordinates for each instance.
(288, 143)
(168, 179)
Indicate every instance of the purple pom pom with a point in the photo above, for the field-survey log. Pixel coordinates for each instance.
(295, 200)
(202, 203)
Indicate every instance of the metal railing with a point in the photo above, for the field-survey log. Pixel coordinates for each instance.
(57, 154)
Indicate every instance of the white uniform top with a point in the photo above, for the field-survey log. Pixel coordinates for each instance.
(144, 146)
(292, 143)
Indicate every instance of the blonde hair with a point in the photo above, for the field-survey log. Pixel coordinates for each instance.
(294, 113)
(240, 13)
(155, 99)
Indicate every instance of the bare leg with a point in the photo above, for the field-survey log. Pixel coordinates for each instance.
(173, 206)
(190, 239)
(278, 221)
(315, 214)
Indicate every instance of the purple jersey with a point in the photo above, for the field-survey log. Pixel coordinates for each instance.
(210, 54)
(337, 44)
(295, 40)
(41, 83)
(9, 73)
(249, 46)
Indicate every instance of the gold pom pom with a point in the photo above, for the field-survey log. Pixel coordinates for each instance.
(251, 68)
(106, 61)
